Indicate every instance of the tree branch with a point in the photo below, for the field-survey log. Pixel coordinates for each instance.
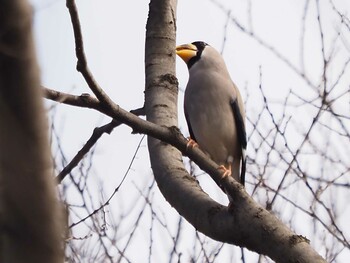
(85, 100)
(82, 66)
(96, 135)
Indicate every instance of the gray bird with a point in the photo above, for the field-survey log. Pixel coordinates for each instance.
(214, 109)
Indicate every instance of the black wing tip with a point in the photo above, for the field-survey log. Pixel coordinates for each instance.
(243, 170)
(242, 136)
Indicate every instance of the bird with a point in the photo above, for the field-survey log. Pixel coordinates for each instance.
(214, 109)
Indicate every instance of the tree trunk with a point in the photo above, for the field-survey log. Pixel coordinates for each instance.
(29, 211)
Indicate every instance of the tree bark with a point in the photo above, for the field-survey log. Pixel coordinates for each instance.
(29, 211)
(246, 224)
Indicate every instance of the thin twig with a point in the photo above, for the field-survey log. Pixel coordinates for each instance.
(115, 190)
(96, 135)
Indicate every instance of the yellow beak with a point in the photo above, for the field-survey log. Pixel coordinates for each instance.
(186, 52)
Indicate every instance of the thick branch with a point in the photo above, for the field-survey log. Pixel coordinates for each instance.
(247, 224)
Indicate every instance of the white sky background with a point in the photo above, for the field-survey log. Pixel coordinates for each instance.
(114, 33)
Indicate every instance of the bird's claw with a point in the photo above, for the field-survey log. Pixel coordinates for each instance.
(191, 144)
(225, 172)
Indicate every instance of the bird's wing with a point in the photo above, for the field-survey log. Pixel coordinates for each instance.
(241, 133)
(189, 124)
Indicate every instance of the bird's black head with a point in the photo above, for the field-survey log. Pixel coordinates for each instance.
(200, 47)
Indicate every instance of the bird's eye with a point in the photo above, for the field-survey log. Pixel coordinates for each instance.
(200, 45)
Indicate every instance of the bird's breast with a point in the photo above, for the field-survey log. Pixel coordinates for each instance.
(211, 118)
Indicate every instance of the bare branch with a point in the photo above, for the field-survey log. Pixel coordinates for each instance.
(96, 135)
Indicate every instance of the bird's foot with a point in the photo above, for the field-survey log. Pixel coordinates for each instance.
(225, 172)
(191, 144)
